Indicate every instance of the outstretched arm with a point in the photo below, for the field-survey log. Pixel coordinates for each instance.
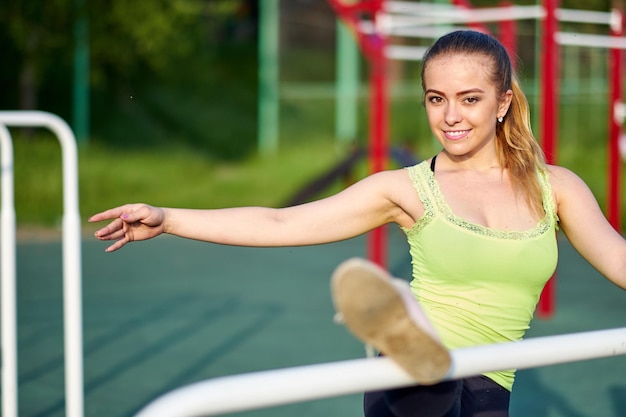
(366, 205)
(586, 227)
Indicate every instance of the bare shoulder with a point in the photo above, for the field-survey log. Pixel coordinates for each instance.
(559, 173)
(390, 183)
(564, 180)
(389, 179)
(401, 193)
(393, 174)
(568, 188)
(393, 180)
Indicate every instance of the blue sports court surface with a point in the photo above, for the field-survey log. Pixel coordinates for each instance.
(168, 312)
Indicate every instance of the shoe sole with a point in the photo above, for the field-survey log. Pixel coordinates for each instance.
(374, 312)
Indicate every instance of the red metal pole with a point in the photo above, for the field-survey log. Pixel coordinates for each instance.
(549, 77)
(614, 175)
(549, 124)
(378, 139)
(373, 46)
(508, 35)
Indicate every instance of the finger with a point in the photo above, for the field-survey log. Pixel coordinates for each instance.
(138, 213)
(108, 214)
(109, 231)
(117, 245)
(116, 235)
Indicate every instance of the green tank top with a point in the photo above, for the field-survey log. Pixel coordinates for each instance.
(478, 285)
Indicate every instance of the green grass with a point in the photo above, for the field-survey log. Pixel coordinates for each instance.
(177, 176)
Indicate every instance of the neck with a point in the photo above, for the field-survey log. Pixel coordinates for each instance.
(476, 163)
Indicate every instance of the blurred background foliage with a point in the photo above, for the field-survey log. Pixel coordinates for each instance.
(161, 71)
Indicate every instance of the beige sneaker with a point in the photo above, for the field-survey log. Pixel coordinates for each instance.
(381, 311)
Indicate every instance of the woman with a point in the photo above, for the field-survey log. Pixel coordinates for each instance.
(480, 218)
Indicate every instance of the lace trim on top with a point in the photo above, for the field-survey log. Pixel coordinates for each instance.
(421, 172)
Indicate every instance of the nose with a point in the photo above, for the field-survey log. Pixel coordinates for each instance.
(452, 114)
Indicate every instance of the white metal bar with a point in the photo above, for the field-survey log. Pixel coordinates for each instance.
(592, 41)
(7, 285)
(412, 53)
(563, 15)
(583, 16)
(398, 25)
(72, 286)
(404, 18)
(459, 15)
(283, 386)
(432, 32)
(407, 7)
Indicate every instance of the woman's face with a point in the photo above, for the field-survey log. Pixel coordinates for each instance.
(462, 104)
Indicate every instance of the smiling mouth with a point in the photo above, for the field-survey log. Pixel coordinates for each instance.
(456, 134)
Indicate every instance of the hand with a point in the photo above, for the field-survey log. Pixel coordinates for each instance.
(130, 222)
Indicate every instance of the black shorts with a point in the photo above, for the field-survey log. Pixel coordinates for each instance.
(469, 397)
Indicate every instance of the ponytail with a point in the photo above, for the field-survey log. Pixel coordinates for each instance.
(518, 150)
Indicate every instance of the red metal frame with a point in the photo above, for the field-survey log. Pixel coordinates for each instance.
(373, 46)
(614, 174)
(508, 35)
(549, 123)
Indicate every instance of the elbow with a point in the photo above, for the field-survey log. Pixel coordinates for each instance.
(621, 282)
(619, 278)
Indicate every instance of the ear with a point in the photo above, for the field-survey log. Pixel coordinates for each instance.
(505, 103)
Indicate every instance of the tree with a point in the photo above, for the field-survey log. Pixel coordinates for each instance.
(129, 35)
(38, 32)
(124, 36)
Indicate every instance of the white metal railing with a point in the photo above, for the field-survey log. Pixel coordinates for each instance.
(72, 287)
(283, 386)
(425, 20)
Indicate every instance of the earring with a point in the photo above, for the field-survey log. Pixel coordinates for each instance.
(500, 119)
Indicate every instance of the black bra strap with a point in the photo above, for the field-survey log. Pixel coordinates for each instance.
(432, 164)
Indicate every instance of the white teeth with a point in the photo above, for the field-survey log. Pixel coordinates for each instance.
(457, 133)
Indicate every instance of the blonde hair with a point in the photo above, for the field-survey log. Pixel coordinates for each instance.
(517, 148)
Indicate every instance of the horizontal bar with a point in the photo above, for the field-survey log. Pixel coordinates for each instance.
(584, 16)
(428, 32)
(407, 7)
(392, 24)
(304, 383)
(592, 41)
(409, 53)
(401, 15)
(459, 15)
(563, 15)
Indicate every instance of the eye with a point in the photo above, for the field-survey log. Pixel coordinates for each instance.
(471, 100)
(434, 99)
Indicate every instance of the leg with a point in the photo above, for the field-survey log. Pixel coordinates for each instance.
(482, 397)
(381, 311)
(471, 397)
(375, 405)
(439, 400)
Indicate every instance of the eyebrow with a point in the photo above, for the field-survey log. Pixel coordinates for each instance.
(460, 93)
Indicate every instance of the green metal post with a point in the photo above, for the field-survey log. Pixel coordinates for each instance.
(346, 110)
(81, 74)
(268, 76)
